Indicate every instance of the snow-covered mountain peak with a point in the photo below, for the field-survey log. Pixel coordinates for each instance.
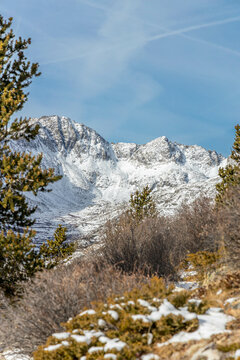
(159, 150)
(98, 175)
(69, 137)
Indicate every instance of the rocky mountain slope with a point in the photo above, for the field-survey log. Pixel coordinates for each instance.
(98, 176)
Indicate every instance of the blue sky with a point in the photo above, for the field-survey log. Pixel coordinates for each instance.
(135, 69)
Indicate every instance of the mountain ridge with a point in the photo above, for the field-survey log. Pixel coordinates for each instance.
(99, 176)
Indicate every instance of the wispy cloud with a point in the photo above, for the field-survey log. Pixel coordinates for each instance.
(196, 39)
(180, 32)
(193, 28)
(136, 41)
(117, 42)
(94, 5)
(122, 35)
(214, 45)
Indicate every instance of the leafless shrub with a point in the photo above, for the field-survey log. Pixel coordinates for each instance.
(193, 229)
(131, 245)
(160, 243)
(55, 296)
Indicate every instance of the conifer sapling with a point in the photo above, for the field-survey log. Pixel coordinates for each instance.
(142, 204)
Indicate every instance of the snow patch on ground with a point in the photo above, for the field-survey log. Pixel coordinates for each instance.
(211, 323)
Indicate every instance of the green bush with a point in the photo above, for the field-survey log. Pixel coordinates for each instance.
(18, 260)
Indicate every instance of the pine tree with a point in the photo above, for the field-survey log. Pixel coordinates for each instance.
(18, 260)
(53, 251)
(230, 175)
(19, 172)
(142, 205)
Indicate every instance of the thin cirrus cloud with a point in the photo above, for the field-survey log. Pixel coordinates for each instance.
(195, 27)
(127, 44)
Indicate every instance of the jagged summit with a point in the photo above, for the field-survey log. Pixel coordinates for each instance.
(98, 175)
(67, 136)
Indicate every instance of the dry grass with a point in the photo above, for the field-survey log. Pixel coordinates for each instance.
(55, 296)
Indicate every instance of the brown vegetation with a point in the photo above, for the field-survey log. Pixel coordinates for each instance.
(55, 296)
(131, 245)
(159, 244)
(156, 245)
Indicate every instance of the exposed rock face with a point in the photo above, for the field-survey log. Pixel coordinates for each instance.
(98, 175)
